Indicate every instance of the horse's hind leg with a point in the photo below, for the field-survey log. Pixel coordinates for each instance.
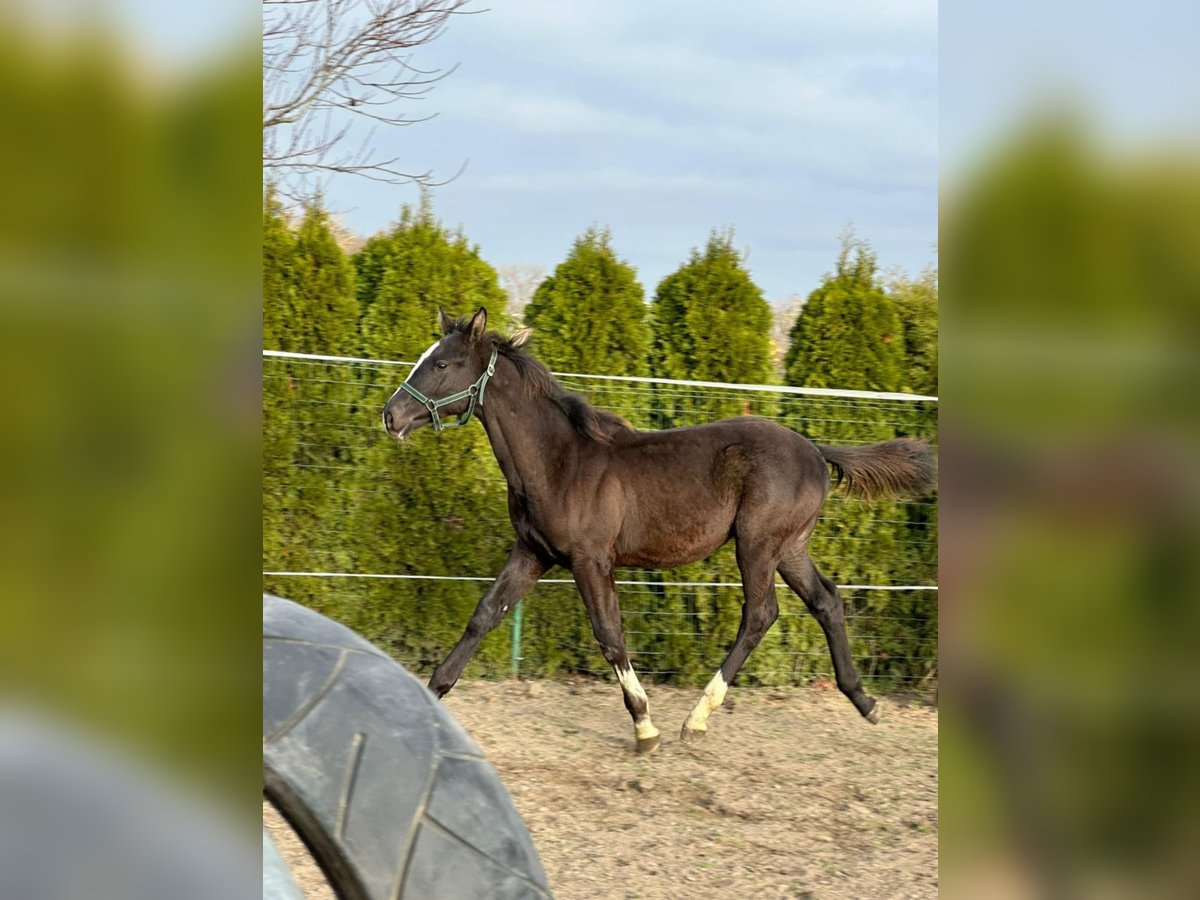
(821, 597)
(760, 609)
(595, 582)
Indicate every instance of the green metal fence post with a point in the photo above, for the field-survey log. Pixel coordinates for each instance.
(518, 613)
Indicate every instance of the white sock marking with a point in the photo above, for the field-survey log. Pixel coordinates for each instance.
(642, 727)
(714, 696)
(630, 683)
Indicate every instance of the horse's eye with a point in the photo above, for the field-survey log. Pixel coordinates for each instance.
(442, 364)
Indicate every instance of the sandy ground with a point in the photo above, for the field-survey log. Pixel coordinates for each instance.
(792, 794)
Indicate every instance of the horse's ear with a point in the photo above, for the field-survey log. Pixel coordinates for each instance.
(444, 321)
(520, 337)
(478, 324)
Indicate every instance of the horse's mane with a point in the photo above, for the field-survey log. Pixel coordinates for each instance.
(595, 424)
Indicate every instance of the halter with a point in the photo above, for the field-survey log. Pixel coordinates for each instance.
(474, 392)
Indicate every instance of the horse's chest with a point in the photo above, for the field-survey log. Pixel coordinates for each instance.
(537, 529)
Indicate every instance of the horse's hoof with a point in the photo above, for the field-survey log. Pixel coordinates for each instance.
(687, 735)
(647, 745)
(873, 715)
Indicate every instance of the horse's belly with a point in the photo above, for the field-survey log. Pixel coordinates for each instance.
(666, 542)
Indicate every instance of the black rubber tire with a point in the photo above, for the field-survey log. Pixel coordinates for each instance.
(390, 794)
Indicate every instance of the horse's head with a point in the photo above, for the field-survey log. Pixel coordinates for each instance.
(448, 380)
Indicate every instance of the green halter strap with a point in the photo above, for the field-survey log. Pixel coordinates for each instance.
(474, 394)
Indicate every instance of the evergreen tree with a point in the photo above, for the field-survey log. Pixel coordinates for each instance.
(278, 278)
(710, 320)
(916, 303)
(590, 315)
(406, 274)
(278, 432)
(850, 335)
(324, 308)
(370, 263)
(309, 305)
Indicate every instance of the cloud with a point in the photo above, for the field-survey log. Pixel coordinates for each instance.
(665, 119)
(787, 87)
(810, 141)
(625, 181)
(543, 111)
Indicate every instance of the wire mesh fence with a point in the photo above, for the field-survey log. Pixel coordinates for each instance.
(340, 497)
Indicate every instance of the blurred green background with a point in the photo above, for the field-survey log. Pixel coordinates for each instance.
(129, 318)
(1070, 235)
(1069, 487)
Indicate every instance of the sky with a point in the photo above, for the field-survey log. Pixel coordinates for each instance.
(784, 120)
(1130, 71)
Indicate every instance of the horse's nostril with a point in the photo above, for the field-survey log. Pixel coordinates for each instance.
(387, 419)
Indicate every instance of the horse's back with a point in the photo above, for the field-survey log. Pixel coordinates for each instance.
(765, 443)
(684, 488)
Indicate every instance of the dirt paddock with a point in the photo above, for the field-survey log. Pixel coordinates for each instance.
(792, 794)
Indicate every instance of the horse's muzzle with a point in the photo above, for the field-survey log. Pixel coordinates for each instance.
(397, 424)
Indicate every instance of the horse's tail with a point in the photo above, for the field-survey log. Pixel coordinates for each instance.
(900, 467)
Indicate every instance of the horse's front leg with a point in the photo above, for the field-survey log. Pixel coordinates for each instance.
(520, 573)
(594, 579)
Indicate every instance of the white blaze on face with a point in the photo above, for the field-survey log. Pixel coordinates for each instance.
(424, 356)
(642, 726)
(714, 696)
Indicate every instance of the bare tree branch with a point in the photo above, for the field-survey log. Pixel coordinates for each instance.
(328, 64)
(520, 281)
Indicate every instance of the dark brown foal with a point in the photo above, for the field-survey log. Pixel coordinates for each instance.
(589, 493)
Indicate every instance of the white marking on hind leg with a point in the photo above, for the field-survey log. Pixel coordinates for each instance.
(714, 696)
(642, 726)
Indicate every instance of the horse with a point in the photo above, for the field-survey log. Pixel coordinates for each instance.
(590, 493)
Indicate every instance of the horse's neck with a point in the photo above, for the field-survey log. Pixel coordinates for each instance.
(529, 436)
